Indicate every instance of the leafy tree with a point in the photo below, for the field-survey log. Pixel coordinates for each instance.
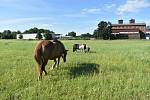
(26, 32)
(96, 34)
(36, 30)
(148, 28)
(14, 34)
(87, 35)
(73, 34)
(48, 36)
(142, 35)
(41, 31)
(39, 36)
(103, 30)
(7, 35)
(31, 30)
(20, 36)
(0, 35)
(47, 31)
(18, 32)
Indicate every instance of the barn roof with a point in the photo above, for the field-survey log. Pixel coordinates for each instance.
(134, 24)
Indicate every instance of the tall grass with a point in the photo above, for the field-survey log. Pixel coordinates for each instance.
(113, 70)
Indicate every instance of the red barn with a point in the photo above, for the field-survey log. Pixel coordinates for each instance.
(131, 30)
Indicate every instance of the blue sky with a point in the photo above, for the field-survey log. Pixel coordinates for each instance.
(63, 16)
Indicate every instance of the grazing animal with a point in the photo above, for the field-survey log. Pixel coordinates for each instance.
(82, 47)
(47, 50)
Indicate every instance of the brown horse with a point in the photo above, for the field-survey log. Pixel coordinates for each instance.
(47, 50)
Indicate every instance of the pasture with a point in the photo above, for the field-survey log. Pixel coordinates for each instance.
(113, 70)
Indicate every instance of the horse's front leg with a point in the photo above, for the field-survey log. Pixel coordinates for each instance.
(58, 62)
(55, 62)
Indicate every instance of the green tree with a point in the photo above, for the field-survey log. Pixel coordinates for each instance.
(36, 30)
(18, 32)
(0, 35)
(26, 32)
(39, 36)
(20, 36)
(7, 34)
(87, 35)
(14, 34)
(31, 30)
(48, 36)
(73, 34)
(41, 30)
(103, 30)
(47, 31)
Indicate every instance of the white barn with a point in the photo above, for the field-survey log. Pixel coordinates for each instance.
(27, 36)
(32, 36)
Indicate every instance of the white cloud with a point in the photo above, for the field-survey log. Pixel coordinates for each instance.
(109, 6)
(98, 10)
(132, 6)
(83, 13)
(91, 10)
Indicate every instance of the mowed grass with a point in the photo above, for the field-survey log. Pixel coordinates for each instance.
(113, 70)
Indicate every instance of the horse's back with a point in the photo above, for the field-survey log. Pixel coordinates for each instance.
(41, 49)
(50, 49)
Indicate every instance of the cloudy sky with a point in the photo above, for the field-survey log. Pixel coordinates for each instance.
(63, 16)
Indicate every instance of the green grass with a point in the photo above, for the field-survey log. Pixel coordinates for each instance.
(113, 70)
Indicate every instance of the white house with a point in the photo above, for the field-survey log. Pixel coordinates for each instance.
(32, 36)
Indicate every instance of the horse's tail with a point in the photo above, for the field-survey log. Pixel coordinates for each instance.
(38, 55)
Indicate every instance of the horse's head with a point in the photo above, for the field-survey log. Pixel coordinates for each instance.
(64, 55)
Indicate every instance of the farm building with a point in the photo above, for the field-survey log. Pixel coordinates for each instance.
(131, 30)
(33, 36)
(27, 36)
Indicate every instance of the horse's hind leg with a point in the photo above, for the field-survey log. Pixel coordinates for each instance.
(40, 72)
(43, 66)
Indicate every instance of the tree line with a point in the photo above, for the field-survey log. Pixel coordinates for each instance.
(103, 31)
(7, 34)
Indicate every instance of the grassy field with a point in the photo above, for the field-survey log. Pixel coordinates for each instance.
(113, 70)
